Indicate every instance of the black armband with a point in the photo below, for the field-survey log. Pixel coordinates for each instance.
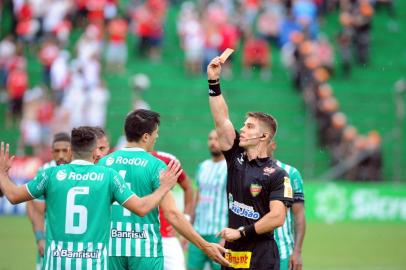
(214, 88)
(248, 231)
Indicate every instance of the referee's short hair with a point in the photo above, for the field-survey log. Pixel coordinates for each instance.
(267, 119)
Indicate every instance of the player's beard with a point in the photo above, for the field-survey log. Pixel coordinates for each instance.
(215, 153)
(61, 162)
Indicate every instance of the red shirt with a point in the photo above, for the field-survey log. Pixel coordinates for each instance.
(166, 228)
(17, 83)
(117, 30)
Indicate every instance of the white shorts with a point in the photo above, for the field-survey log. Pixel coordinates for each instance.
(173, 254)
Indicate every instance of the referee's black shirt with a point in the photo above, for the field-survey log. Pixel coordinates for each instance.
(251, 185)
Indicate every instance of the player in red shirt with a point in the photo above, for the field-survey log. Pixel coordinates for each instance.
(173, 254)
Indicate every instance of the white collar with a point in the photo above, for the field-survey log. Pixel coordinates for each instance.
(133, 149)
(81, 162)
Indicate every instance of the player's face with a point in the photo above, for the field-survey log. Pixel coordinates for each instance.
(102, 148)
(250, 133)
(213, 143)
(61, 153)
(151, 140)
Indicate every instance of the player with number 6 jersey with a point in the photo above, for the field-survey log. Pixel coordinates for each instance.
(79, 197)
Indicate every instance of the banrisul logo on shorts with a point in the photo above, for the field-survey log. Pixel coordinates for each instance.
(255, 189)
(109, 161)
(242, 209)
(61, 175)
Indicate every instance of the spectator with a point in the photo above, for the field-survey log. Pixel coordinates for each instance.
(116, 55)
(96, 106)
(17, 84)
(344, 39)
(60, 76)
(48, 53)
(256, 53)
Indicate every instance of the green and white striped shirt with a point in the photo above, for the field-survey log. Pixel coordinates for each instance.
(132, 235)
(211, 209)
(78, 197)
(285, 235)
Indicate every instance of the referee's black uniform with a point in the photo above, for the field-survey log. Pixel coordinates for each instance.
(251, 185)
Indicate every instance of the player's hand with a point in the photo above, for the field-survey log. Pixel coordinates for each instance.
(5, 159)
(214, 69)
(215, 252)
(295, 261)
(229, 235)
(41, 247)
(170, 176)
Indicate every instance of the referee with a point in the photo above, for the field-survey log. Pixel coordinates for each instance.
(258, 191)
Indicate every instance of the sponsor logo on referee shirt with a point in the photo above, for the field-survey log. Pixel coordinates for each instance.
(268, 171)
(241, 209)
(255, 189)
(241, 159)
(288, 188)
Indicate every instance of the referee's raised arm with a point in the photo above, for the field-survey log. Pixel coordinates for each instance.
(218, 107)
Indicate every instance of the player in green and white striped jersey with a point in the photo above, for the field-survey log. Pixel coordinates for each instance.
(136, 241)
(61, 154)
(79, 197)
(211, 208)
(290, 236)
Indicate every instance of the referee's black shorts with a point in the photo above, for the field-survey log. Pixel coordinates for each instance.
(265, 254)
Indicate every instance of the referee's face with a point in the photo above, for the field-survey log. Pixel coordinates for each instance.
(250, 133)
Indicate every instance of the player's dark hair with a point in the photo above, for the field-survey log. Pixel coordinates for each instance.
(139, 122)
(61, 137)
(83, 141)
(100, 133)
(267, 119)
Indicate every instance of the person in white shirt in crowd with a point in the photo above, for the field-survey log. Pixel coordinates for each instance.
(96, 108)
(60, 75)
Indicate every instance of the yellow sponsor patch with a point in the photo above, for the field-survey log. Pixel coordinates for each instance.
(288, 188)
(239, 259)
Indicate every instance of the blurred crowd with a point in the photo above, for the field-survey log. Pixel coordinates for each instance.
(73, 40)
(360, 154)
(208, 27)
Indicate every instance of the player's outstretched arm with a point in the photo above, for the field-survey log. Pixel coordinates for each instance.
(274, 219)
(168, 178)
(218, 106)
(184, 227)
(15, 194)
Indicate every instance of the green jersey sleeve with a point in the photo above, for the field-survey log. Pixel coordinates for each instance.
(121, 192)
(38, 185)
(160, 166)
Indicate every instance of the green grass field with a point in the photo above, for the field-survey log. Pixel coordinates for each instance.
(358, 246)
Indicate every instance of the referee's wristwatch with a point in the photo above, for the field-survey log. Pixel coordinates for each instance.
(242, 231)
